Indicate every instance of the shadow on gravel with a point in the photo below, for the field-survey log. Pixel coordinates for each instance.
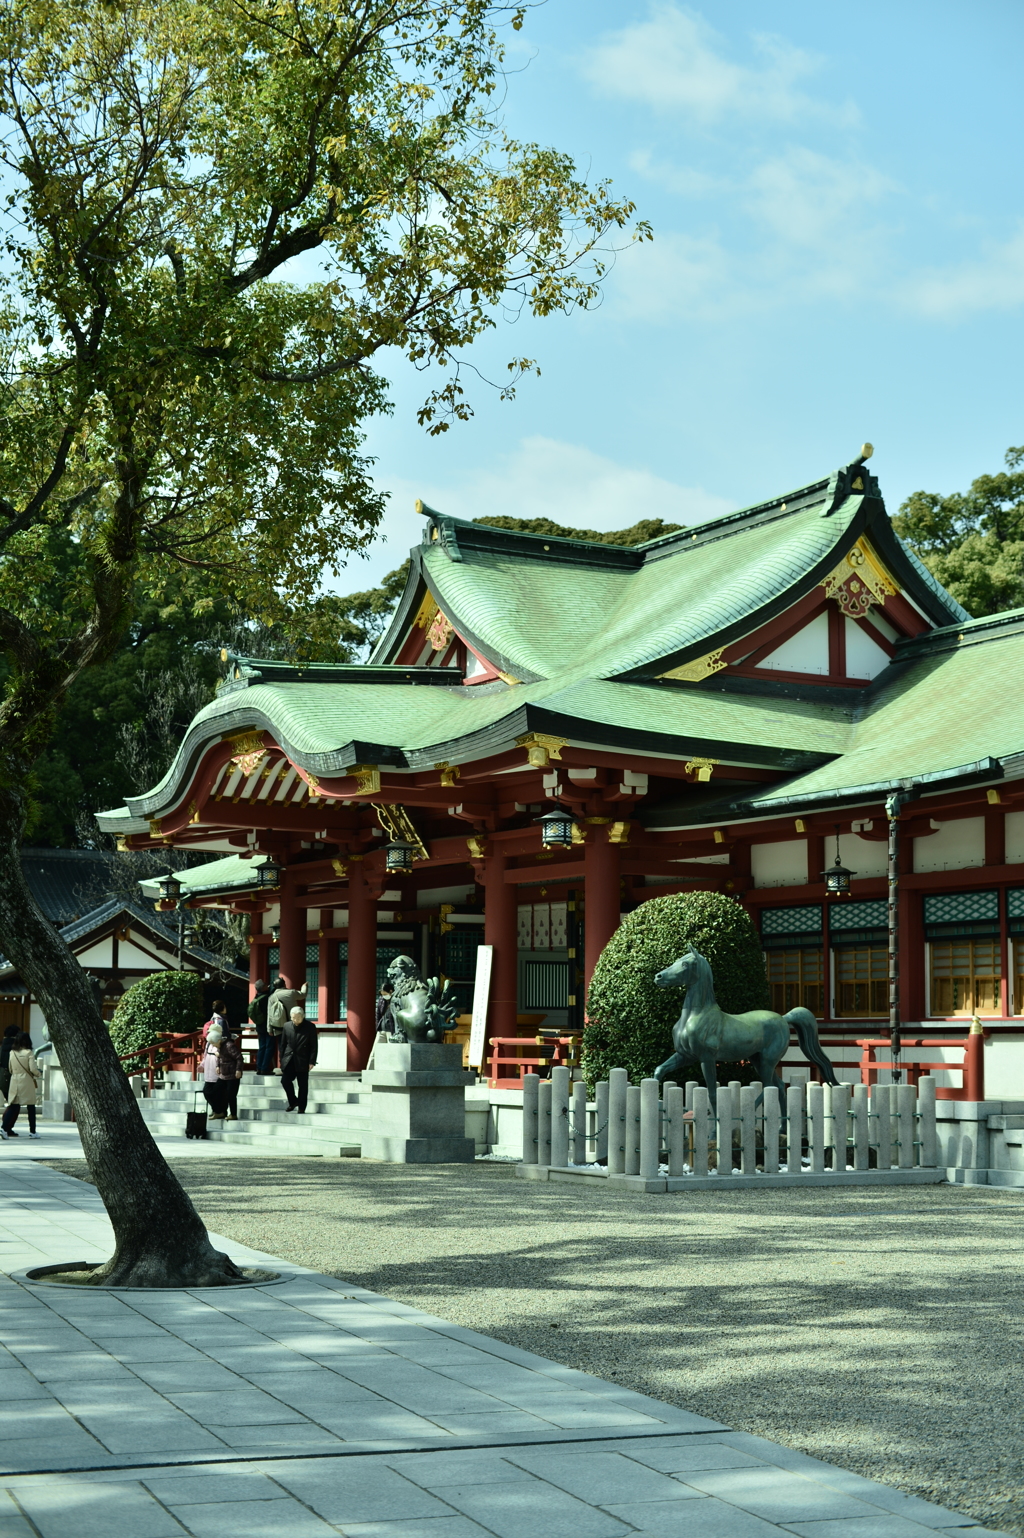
(881, 1330)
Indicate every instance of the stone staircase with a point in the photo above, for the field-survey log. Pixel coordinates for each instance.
(333, 1125)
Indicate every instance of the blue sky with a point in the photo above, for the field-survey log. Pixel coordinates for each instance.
(836, 195)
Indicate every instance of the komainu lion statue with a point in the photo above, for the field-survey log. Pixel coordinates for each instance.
(422, 1010)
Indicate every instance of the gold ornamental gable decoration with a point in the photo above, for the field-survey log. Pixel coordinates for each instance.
(426, 611)
(700, 668)
(440, 632)
(859, 581)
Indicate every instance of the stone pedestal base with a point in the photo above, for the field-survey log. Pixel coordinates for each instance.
(418, 1104)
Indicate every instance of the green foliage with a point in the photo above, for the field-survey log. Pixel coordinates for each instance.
(636, 534)
(161, 1005)
(215, 217)
(973, 542)
(631, 1019)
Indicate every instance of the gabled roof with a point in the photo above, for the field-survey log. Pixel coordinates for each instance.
(539, 607)
(945, 715)
(590, 631)
(116, 914)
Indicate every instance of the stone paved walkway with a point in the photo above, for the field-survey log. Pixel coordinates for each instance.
(311, 1408)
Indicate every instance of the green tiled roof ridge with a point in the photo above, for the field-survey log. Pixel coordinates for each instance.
(933, 582)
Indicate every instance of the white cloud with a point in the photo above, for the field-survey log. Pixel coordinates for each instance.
(674, 61)
(810, 200)
(992, 281)
(542, 478)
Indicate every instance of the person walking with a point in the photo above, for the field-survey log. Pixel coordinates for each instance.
(298, 1056)
(24, 1086)
(283, 999)
(6, 1046)
(213, 1090)
(229, 1071)
(266, 1044)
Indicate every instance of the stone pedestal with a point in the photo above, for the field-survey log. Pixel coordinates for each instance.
(418, 1104)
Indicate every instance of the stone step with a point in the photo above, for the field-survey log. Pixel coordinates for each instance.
(315, 1125)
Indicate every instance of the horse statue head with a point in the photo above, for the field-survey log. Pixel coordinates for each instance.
(688, 969)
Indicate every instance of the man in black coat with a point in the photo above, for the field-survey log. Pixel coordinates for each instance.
(298, 1055)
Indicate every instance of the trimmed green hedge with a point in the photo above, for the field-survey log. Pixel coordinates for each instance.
(631, 1019)
(161, 1005)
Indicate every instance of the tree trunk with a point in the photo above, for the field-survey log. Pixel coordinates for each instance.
(160, 1239)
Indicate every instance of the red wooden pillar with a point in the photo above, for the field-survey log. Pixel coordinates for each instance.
(257, 953)
(362, 968)
(601, 892)
(913, 951)
(501, 930)
(328, 1000)
(292, 945)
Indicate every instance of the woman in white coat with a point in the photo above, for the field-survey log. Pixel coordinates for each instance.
(24, 1091)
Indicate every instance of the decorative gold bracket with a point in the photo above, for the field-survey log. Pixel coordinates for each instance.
(541, 749)
(701, 767)
(449, 772)
(366, 776)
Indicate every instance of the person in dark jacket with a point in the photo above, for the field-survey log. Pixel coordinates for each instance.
(298, 1056)
(10, 1040)
(384, 1019)
(230, 1071)
(266, 1052)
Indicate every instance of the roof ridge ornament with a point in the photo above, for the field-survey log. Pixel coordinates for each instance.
(848, 481)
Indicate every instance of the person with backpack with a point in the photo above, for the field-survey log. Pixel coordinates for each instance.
(266, 1044)
(24, 1086)
(283, 1000)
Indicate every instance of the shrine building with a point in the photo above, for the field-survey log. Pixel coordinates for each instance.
(720, 709)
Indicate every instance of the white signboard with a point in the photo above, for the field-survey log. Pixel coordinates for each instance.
(481, 994)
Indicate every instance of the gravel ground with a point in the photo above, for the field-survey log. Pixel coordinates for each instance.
(882, 1330)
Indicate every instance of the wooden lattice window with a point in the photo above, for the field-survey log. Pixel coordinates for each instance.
(862, 981)
(795, 978)
(965, 976)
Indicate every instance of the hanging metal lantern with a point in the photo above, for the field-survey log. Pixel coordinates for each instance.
(556, 828)
(398, 855)
(169, 887)
(268, 874)
(275, 932)
(837, 877)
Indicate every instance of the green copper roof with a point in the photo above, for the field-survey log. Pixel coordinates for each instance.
(542, 616)
(589, 627)
(229, 874)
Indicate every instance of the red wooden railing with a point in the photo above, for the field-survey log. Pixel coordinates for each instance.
(178, 1053)
(972, 1069)
(511, 1057)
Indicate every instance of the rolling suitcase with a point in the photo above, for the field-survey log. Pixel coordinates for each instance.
(195, 1121)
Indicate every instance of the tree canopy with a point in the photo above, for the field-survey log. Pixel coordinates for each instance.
(215, 217)
(973, 541)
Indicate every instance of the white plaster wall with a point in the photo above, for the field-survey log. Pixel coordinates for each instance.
(781, 864)
(1015, 838)
(865, 857)
(1004, 1067)
(864, 659)
(956, 846)
(434, 896)
(37, 1025)
(99, 955)
(805, 652)
(271, 917)
(130, 956)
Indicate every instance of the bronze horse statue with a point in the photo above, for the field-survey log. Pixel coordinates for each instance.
(704, 1034)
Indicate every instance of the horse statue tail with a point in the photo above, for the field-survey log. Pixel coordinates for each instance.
(806, 1027)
